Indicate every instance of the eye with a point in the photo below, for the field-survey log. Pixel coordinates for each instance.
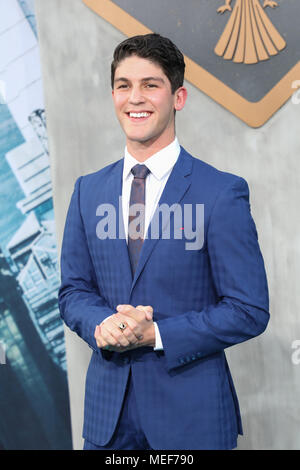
(151, 85)
(122, 86)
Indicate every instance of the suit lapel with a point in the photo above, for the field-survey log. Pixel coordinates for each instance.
(176, 186)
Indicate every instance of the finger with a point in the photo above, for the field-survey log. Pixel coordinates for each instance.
(98, 337)
(130, 310)
(133, 331)
(101, 343)
(124, 308)
(117, 333)
(112, 335)
(147, 309)
(148, 315)
(149, 312)
(97, 332)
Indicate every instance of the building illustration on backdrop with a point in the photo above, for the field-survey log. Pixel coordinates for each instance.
(34, 403)
(30, 384)
(31, 252)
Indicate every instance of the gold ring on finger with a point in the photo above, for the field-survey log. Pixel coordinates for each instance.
(122, 326)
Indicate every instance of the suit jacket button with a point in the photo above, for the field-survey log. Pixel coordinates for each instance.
(125, 360)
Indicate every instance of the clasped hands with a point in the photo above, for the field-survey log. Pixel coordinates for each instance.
(139, 329)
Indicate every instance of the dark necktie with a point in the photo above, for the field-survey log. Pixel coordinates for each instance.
(137, 196)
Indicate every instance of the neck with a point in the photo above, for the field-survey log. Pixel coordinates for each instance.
(141, 151)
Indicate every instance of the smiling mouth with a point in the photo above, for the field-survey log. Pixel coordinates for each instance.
(142, 116)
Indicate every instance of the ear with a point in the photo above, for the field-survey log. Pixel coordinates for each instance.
(180, 98)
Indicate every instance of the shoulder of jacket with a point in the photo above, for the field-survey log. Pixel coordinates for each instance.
(101, 174)
(205, 172)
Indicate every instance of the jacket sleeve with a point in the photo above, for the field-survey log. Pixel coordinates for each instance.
(80, 302)
(239, 279)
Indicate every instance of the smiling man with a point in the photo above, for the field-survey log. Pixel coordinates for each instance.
(156, 315)
(145, 103)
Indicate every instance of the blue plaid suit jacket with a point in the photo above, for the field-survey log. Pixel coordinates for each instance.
(204, 301)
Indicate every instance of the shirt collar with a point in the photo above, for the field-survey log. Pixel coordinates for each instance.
(159, 164)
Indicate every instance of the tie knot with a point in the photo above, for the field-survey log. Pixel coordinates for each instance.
(140, 171)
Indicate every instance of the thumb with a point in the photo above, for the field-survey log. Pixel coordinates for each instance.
(148, 311)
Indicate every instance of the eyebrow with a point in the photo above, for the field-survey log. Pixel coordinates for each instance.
(146, 79)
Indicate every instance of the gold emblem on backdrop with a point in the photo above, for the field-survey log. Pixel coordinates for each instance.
(249, 37)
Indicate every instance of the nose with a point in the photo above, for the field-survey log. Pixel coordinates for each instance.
(136, 95)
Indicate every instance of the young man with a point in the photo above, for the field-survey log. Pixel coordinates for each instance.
(158, 311)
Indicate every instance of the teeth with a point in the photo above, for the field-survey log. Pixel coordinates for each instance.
(139, 115)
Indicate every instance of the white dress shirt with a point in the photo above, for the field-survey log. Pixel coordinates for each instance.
(160, 165)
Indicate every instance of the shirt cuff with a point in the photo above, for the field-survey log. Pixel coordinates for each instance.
(158, 342)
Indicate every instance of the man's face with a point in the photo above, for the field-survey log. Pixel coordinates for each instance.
(144, 102)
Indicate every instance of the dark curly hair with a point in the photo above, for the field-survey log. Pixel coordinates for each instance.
(159, 50)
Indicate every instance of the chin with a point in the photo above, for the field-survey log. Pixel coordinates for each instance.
(139, 138)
